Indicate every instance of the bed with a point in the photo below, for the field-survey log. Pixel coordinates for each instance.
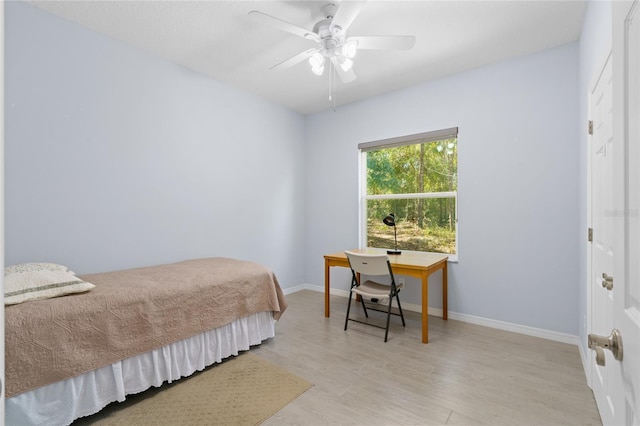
(68, 357)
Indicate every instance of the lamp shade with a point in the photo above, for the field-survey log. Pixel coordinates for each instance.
(346, 64)
(390, 220)
(317, 63)
(349, 49)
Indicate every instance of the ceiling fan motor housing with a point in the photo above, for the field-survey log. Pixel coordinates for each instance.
(331, 37)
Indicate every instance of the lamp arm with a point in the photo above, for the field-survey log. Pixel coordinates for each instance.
(395, 237)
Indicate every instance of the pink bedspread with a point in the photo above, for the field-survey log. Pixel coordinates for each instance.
(128, 313)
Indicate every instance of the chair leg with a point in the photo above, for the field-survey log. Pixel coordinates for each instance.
(366, 314)
(386, 333)
(400, 308)
(346, 321)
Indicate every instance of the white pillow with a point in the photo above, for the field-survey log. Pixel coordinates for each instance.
(35, 281)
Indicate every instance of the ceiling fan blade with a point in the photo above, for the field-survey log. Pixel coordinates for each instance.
(397, 42)
(345, 76)
(294, 60)
(346, 13)
(283, 25)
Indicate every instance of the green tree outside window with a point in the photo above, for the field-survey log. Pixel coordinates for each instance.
(418, 182)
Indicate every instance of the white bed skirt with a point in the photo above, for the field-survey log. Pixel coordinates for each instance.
(62, 402)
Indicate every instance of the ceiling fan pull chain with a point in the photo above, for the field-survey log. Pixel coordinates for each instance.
(330, 81)
(332, 85)
(334, 94)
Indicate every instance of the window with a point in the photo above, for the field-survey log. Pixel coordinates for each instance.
(415, 178)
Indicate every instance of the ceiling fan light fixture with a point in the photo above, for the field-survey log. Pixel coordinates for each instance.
(350, 48)
(316, 60)
(318, 70)
(345, 64)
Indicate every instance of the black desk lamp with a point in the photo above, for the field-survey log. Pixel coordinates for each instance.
(390, 220)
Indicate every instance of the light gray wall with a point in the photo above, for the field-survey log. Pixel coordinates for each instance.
(595, 43)
(115, 158)
(518, 184)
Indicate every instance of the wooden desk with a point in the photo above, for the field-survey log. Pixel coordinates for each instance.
(412, 264)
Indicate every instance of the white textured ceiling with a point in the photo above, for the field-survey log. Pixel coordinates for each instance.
(218, 39)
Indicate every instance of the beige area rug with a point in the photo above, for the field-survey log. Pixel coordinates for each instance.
(243, 390)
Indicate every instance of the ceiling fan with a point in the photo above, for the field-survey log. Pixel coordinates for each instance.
(334, 47)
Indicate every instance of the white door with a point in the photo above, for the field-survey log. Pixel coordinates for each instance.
(602, 246)
(615, 217)
(616, 383)
(625, 374)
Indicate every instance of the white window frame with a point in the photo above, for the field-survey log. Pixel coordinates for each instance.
(390, 143)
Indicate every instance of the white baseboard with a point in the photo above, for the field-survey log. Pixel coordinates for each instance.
(516, 328)
(297, 288)
(486, 322)
(585, 363)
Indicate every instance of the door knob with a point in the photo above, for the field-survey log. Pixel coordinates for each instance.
(607, 281)
(600, 358)
(613, 342)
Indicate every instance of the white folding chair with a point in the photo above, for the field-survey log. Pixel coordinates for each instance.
(373, 265)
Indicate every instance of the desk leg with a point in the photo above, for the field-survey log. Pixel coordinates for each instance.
(445, 297)
(327, 307)
(425, 307)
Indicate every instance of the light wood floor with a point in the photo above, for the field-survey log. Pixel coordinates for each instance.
(466, 375)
